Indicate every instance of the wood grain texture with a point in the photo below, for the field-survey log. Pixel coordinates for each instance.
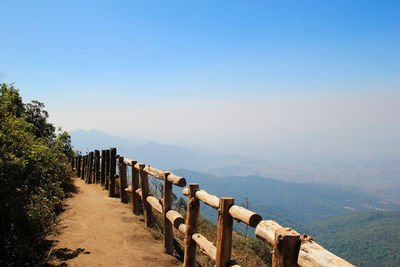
(224, 232)
(167, 205)
(135, 185)
(192, 216)
(144, 183)
(123, 182)
(103, 168)
(113, 155)
(286, 248)
(175, 218)
(245, 215)
(206, 246)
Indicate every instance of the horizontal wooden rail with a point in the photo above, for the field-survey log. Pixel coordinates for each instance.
(139, 192)
(136, 165)
(206, 198)
(237, 212)
(172, 178)
(311, 254)
(265, 231)
(129, 189)
(182, 228)
(155, 203)
(205, 246)
(175, 218)
(245, 215)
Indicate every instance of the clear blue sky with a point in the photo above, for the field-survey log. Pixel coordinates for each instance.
(165, 61)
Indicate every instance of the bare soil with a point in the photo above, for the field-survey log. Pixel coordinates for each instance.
(96, 230)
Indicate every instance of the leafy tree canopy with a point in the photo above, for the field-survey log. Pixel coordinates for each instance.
(34, 173)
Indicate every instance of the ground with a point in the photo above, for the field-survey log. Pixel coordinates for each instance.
(96, 230)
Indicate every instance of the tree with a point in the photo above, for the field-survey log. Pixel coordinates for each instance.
(37, 116)
(64, 141)
(181, 205)
(10, 101)
(34, 167)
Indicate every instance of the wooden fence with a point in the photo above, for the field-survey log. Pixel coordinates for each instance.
(289, 247)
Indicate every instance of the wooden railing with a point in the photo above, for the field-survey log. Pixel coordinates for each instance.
(289, 248)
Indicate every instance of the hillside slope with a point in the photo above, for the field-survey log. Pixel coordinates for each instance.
(363, 238)
(290, 204)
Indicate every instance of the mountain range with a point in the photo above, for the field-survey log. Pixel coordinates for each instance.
(379, 177)
(355, 222)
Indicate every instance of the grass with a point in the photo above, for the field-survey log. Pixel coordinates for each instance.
(246, 251)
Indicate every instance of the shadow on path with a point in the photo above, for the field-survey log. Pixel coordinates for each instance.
(64, 254)
(67, 254)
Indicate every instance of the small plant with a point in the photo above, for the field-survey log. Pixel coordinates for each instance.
(245, 204)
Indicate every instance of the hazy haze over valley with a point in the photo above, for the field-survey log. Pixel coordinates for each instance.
(379, 177)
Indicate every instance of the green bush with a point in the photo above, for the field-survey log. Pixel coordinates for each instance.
(34, 171)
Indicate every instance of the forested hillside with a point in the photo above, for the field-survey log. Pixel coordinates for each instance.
(290, 204)
(34, 177)
(341, 219)
(363, 238)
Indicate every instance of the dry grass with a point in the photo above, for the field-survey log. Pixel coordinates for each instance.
(246, 251)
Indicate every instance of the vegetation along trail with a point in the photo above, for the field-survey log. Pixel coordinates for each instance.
(96, 230)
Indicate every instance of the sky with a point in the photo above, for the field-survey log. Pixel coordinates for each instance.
(251, 77)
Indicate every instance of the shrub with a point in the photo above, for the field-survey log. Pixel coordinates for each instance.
(34, 169)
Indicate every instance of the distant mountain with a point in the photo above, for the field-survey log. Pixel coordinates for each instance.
(164, 156)
(290, 204)
(380, 177)
(363, 238)
(86, 141)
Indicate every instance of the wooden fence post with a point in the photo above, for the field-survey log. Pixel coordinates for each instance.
(167, 205)
(286, 248)
(103, 168)
(87, 168)
(193, 210)
(79, 166)
(107, 161)
(113, 155)
(96, 166)
(83, 168)
(123, 183)
(224, 232)
(91, 177)
(144, 183)
(85, 174)
(135, 186)
(90, 173)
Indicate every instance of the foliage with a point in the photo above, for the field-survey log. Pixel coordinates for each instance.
(34, 170)
(294, 205)
(37, 116)
(362, 238)
(323, 211)
(246, 251)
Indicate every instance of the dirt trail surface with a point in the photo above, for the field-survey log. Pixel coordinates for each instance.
(96, 230)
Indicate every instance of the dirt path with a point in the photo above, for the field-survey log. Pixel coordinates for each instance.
(96, 230)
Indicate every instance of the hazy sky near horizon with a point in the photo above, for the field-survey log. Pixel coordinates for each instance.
(241, 76)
